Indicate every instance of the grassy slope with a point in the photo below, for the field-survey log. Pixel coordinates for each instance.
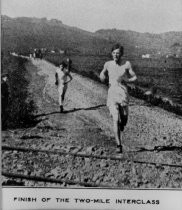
(20, 107)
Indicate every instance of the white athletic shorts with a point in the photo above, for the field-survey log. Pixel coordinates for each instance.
(117, 95)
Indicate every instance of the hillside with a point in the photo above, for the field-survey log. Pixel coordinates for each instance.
(140, 43)
(24, 34)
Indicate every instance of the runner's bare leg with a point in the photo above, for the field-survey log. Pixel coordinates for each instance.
(117, 132)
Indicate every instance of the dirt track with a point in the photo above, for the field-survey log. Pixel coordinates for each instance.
(152, 135)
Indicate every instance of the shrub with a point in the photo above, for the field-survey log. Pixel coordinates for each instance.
(20, 107)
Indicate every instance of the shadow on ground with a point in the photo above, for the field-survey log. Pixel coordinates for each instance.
(72, 110)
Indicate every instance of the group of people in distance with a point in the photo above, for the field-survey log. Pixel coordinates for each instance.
(120, 73)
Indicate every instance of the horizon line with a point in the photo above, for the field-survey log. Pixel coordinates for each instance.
(48, 19)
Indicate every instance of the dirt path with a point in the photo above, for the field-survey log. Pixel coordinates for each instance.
(152, 134)
(147, 127)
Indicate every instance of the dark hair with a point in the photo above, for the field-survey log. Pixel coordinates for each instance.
(118, 46)
(63, 64)
(4, 75)
(69, 61)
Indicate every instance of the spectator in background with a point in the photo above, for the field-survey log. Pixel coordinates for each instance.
(40, 54)
(69, 63)
(120, 73)
(4, 98)
(62, 77)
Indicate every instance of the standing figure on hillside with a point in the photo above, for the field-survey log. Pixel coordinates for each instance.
(4, 99)
(63, 77)
(34, 53)
(120, 73)
(40, 54)
(69, 62)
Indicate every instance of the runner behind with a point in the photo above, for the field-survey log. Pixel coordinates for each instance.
(63, 77)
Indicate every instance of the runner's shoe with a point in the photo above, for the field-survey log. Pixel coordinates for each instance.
(119, 149)
(61, 109)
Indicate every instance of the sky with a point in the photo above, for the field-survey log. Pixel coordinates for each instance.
(153, 16)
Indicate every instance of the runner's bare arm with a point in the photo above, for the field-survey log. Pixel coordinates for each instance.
(103, 73)
(70, 78)
(56, 77)
(130, 73)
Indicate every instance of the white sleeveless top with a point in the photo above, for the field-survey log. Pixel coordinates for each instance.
(117, 73)
(117, 93)
(62, 76)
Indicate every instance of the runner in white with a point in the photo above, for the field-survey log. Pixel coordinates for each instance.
(63, 77)
(120, 73)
